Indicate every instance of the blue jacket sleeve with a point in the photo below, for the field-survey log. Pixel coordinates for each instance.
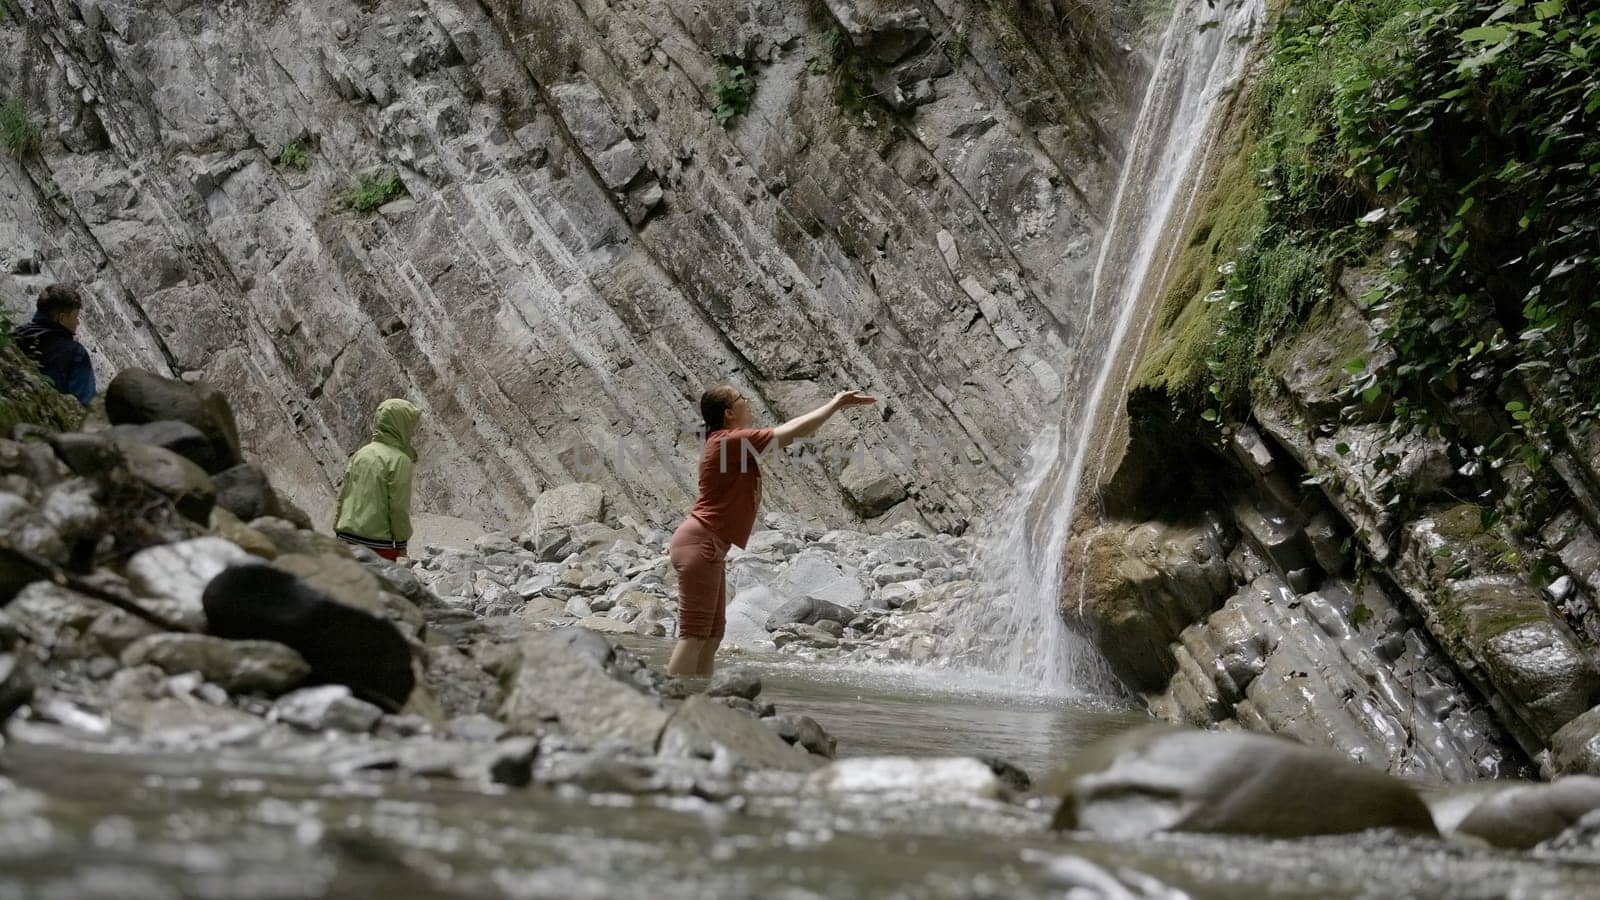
(80, 383)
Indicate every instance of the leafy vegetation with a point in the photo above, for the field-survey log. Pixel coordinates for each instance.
(374, 190)
(734, 88)
(293, 156)
(19, 132)
(1457, 137)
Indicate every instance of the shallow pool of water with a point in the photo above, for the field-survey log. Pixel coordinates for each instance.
(79, 824)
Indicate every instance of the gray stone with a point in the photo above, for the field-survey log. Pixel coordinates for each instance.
(326, 708)
(566, 506)
(239, 666)
(1522, 816)
(734, 683)
(173, 577)
(817, 576)
(1157, 779)
(803, 731)
(559, 683)
(871, 485)
(704, 727)
(806, 611)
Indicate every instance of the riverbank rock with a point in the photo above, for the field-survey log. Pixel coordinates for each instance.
(173, 577)
(1575, 748)
(566, 506)
(1522, 816)
(238, 666)
(327, 708)
(1163, 779)
(561, 680)
(703, 727)
(343, 644)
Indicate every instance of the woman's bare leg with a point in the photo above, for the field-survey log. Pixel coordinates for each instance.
(686, 656)
(708, 656)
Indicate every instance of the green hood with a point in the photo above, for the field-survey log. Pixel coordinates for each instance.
(394, 424)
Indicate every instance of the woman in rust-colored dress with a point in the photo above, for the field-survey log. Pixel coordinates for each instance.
(724, 514)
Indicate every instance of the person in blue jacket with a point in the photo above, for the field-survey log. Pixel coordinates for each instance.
(51, 340)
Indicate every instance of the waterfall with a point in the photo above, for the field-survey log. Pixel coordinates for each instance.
(1013, 630)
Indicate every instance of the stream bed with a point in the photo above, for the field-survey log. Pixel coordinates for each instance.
(77, 823)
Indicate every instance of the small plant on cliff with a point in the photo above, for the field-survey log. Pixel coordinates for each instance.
(18, 130)
(734, 87)
(373, 191)
(293, 156)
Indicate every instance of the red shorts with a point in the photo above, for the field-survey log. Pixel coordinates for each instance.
(699, 557)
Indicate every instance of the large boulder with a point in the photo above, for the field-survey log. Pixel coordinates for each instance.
(344, 643)
(566, 506)
(1159, 778)
(1522, 816)
(239, 666)
(704, 727)
(139, 397)
(561, 680)
(817, 576)
(807, 611)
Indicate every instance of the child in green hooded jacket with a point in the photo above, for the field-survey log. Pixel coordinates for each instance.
(375, 500)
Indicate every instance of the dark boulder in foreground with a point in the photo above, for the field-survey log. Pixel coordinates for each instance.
(342, 643)
(1159, 778)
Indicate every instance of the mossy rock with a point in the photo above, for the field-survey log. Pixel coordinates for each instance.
(28, 398)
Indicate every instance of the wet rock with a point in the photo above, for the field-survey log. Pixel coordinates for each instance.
(804, 731)
(1163, 779)
(89, 454)
(735, 683)
(138, 397)
(173, 577)
(605, 625)
(1575, 748)
(327, 708)
(1012, 776)
(1582, 839)
(237, 666)
(934, 780)
(703, 727)
(343, 643)
(806, 611)
(566, 506)
(186, 484)
(561, 681)
(1522, 816)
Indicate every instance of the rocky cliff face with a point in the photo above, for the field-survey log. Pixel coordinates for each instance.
(1315, 561)
(525, 217)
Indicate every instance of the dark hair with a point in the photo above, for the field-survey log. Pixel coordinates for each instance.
(57, 299)
(715, 403)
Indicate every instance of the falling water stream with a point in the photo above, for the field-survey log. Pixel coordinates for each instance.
(1015, 632)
